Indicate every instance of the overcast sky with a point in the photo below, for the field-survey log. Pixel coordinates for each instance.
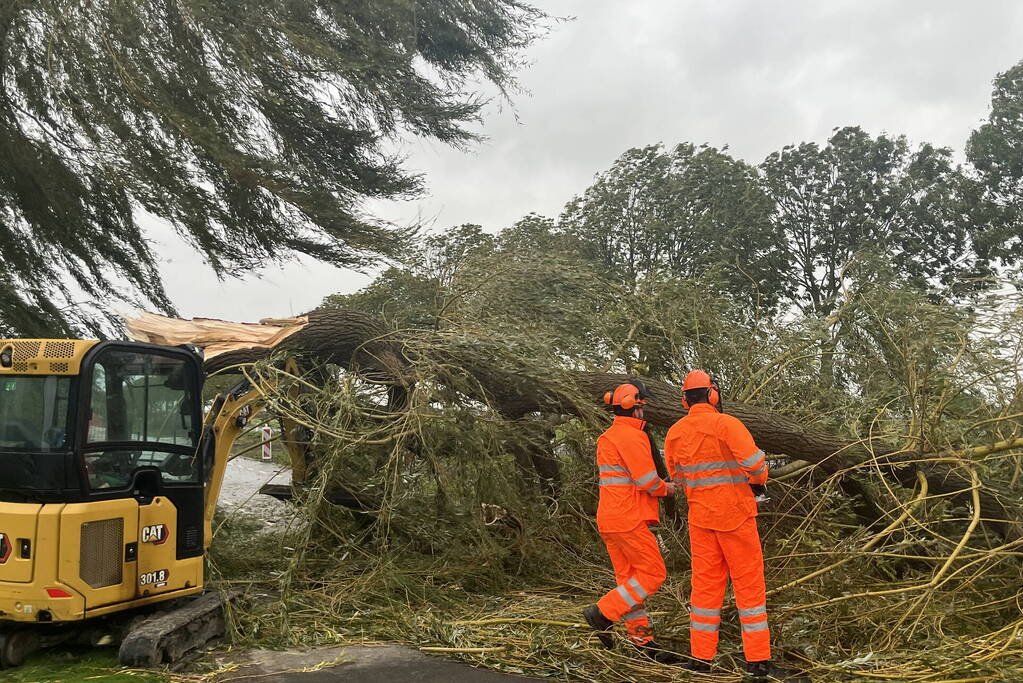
(753, 75)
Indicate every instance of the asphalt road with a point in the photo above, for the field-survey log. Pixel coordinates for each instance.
(365, 664)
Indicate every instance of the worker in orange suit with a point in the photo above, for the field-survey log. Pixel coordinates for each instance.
(713, 456)
(629, 488)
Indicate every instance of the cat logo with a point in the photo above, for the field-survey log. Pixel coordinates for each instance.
(5, 549)
(155, 533)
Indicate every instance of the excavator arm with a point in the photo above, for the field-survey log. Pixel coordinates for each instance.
(228, 418)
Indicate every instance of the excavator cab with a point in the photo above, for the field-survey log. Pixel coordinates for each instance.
(102, 483)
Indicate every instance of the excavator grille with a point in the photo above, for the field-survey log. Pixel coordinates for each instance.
(59, 349)
(45, 356)
(100, 559)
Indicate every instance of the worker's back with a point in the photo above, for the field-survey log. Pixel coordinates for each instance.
(704, 450)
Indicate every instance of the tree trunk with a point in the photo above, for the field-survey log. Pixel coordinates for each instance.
(362, 343)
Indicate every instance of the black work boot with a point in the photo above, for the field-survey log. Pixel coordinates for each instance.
(659, 653)
(763, 671)
(700, 666)
(601, 624)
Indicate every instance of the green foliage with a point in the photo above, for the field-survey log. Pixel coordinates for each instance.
(678, 213)
(76, 665)
(859, 196)
(459, 533)
(255, 129)
(996, 152)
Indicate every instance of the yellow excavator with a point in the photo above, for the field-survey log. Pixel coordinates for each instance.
(109, 479)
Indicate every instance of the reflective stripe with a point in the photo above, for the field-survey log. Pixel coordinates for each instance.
(629, 600)
(609, 481)
(760, 470)
(712, 481)
(759, 626)
(706, 466)
(753, 459)
(654, 485)
(613, 468)
(753, 611)
(704, 612)
(639, 589)
(700, 626)
(636, 614)
(646, 477)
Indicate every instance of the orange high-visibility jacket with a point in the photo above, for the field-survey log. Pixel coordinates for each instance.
(713, 455)
(629, 485)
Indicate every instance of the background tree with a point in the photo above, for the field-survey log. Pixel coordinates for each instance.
(256, 129)
(679, 213)
(996, 152)
(863, 194)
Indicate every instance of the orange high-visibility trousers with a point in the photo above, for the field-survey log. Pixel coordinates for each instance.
(639, 571)
(716, 556)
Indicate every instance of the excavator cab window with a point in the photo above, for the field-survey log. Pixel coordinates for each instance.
(139, 397)
(138, 424)
(141, 413)
(34, 416)
(33, 412)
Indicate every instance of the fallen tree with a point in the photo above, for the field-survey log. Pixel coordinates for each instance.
(363, 344)
(472, 455)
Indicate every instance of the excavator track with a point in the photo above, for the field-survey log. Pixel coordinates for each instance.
(169, 636)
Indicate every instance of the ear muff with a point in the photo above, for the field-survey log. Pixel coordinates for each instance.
(698, 379)
(631, 398)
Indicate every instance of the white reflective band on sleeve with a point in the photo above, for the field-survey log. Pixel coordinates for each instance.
(636, 587)
(608, 481)
(712, 481)
(760, 470)
(613, 468)
(636, 614)
(629, 600)
(704, 612)
(654, 485)
(759, 626)
(700, 626)
(753, 611)
(707, 466)
(646, 477)
(753, 459)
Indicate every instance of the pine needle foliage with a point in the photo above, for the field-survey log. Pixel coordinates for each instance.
(256, 129)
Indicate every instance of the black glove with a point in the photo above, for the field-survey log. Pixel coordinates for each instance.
(759, 490)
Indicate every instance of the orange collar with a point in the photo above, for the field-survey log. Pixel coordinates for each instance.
(631, 421)
(702, 408)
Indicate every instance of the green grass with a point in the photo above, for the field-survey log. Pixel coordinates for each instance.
(70, 665)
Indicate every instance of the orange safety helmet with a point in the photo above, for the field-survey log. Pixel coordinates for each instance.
(698, 379)
(627, 396)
